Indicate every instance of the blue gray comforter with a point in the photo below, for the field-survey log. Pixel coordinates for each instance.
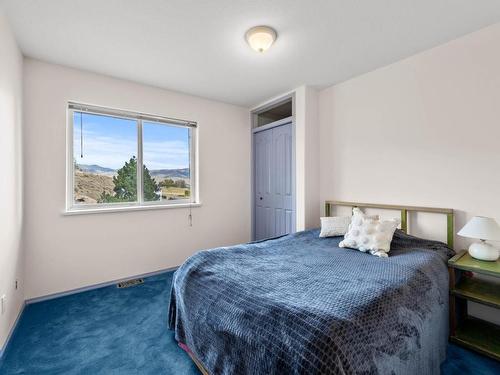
(299, 304)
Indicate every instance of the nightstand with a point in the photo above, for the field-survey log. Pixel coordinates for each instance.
(473, 333)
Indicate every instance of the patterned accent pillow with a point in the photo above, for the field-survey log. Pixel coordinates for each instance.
(371, 235)
(334, 226)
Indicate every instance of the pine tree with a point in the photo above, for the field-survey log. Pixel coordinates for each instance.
(150, 186)
(125, 182)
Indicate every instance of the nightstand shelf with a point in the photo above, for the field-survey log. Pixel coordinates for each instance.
(479, 291)
(475, 334)
(480, 336)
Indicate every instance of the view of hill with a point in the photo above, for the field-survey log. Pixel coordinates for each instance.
(182, 173)
(94, 168)
(172, 173)
(91, 181)
(90, 186)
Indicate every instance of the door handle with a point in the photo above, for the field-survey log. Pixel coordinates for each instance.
(260, 198)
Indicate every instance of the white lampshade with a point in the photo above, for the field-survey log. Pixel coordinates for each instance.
(483, 228)
(260, 38)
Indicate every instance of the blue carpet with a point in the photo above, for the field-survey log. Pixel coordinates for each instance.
(124, 331)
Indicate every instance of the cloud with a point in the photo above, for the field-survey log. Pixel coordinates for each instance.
(113, 152)
(166, 154)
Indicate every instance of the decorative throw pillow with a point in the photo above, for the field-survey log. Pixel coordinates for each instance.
(357, 212)
(334, 226)
(371, 235)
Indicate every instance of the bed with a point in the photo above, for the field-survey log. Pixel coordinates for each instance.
(299, 304)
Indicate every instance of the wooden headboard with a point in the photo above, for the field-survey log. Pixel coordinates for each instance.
(405, 210)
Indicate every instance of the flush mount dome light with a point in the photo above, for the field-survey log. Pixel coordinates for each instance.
(260, 38)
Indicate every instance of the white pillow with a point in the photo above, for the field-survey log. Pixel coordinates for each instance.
(371, 235)
(334, 226)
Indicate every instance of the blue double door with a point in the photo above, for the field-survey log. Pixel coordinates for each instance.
(274, 213)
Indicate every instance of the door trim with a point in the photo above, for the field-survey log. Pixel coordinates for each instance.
(255, 129)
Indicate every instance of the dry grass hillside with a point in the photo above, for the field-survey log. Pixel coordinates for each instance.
(89, 186)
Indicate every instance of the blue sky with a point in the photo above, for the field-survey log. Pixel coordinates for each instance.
(110, 142)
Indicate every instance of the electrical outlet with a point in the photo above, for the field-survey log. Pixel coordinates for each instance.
(3, 301)
(16, 284)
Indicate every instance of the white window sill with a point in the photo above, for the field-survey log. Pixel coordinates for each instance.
(86, 211)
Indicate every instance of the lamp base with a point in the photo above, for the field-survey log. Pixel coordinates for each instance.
(483, 251)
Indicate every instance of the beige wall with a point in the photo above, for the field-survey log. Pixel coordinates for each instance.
(68, 252)
(11, 250)
(424, 131)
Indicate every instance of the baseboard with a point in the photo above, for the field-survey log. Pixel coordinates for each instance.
(95, 286)
(4, 348)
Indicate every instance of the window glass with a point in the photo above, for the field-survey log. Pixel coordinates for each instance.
(104, 159)
(166, 159)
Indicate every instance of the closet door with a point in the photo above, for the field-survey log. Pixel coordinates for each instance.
(263, 142)
(281, 180)
(273, 212)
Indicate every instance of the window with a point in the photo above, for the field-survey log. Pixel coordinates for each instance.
(105, 146)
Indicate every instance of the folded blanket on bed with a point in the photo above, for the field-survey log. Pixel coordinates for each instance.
(302, 305)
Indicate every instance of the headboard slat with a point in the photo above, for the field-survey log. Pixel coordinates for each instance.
(404, 220)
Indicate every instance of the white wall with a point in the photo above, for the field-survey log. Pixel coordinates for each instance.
(307, 157)
(424, 131)
(67, 252)
(11, 250)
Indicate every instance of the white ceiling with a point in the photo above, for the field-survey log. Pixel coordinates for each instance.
(198, 46)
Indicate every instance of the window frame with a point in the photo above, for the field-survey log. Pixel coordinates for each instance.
(72, 207)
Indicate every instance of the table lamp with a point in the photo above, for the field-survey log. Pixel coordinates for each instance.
(482, 228)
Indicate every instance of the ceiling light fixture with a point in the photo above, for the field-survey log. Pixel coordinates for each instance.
(260, 38)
